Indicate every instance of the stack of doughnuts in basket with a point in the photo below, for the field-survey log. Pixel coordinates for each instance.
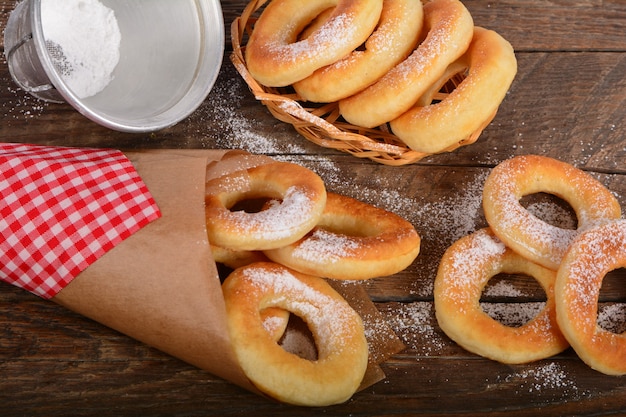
(282, 234)
(384, 62)
(570, 265)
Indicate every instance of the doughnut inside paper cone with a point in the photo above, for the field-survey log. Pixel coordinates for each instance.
(161, 285)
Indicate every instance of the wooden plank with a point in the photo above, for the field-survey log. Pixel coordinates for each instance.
(568, 101)
(561, 25)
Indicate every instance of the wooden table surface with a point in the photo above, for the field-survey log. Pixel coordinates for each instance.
(568, 101)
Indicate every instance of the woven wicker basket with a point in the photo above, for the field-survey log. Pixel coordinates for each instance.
(323, 124)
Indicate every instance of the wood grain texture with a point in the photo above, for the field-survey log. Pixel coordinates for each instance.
(568, 101)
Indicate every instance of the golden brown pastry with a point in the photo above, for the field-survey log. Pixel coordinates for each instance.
(464, 271)
(337, 329)
(352, 241)
(528, 235)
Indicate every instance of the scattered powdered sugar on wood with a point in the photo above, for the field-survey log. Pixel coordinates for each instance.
(415, 325)
(553, 214)
(545, 379)
(502, 289)
(513, 314)
(23, 105)
(237, 130)
(612, 317)
(442, 222)
(453, 215)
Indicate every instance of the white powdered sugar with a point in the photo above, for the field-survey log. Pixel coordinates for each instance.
(273, 323)
(513, 314)
(83, 40)
(280, 219)
(543, 378)
(468, 262)
(324, 247)
(502, 289)
(553, 214)
(414, 323)
(330, 319)
(612, 318)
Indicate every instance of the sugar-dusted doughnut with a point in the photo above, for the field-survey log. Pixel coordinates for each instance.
(394, 38)
(593, 254)
(299, 197)
(276, 58)
(491, 67)
(525, 233)
(337, 330)
(464, 271)
(448, 28)
(352, 241)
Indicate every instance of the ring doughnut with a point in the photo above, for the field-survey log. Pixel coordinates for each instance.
(394, 38)
(525, 233)
(464, 271)
(299, 194)
(449, 28)
(491, 66)
(593, 254)
(274, 56)
(352, 241)
(337, 330)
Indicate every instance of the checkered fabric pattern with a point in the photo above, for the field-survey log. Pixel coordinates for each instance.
(61, 209)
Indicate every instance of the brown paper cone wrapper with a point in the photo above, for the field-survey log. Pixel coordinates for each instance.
(161, 285)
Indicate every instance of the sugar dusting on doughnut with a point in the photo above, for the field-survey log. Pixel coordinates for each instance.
(327, 326)
(279, 221)
(491, 66)
(527, 234)
(464, 271)
(276, 58)
(593, 254)
(393, 40)
(326, 247)
(337, 330)
(483, 245)
(449, 28)
(352, 241)
(298, 198)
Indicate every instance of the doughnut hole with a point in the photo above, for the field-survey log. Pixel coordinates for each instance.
(298, 339)
(551, 209)
(254, 203)
(512, 299)
(612, 302)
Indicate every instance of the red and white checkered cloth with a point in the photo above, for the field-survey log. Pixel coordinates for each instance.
(61, 209)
